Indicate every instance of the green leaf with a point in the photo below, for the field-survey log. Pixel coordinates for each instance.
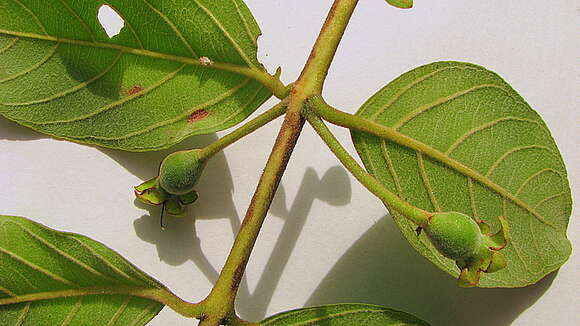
(147, 88)
(403, 4)
(56, 278)
(467, 142)
(344, 314)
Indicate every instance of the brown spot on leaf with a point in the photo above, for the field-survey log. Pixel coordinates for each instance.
(134, 90)
(197, 115)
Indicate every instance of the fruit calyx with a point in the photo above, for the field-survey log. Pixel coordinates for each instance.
(470, 243)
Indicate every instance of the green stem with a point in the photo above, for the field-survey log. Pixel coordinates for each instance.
(322, 53)
(244, 130)
(272, 82)
(354, 122)
(220, 302)
(414, 214)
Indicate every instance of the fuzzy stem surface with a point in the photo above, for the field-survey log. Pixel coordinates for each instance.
(244, 130)
(220, 302)
(414, 214)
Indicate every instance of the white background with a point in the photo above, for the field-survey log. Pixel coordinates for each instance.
(336, 243)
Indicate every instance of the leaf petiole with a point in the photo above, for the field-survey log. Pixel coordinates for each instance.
(414, 214)
(184, 308)
(246, 129)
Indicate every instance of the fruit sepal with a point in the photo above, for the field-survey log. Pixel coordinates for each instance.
(149, 192)
(470, 243)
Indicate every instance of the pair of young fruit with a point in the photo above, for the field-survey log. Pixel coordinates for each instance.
(456, 235)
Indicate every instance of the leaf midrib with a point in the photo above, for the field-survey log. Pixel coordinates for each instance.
(122, 48)
(74, 260)
(329, 316)
(155, 294)
(404, 140)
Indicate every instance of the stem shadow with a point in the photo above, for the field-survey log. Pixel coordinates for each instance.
(334, 189)
(382, 268)
(179, 243)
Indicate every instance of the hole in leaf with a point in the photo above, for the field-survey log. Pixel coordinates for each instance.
(110, 20)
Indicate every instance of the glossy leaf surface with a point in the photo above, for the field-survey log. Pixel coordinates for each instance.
(469, 143)
(346, 314)
(144, 89)
(56, 278)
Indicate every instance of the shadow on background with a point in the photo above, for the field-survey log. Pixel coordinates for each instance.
(334, 189)
(382, 268)
(12, 131)
(216, 186)
(179, 243)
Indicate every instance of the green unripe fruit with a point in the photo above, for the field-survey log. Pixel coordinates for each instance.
(455, 235)
(180, 171)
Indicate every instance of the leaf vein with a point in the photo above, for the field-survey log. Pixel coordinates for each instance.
(233, 115)
(173, 27)
(30, 69)
(391, 168)
(226, 34)
(114, 104)
(119, 311)
(472, 198)
(321, 318)
(102, 259)
(73, 312)
(510, 152)
(24, 279)
(23, 315)
(143, 313)
(426, 182)
(533, 239)
(71, 90)
(9, 45)
(34, 16)
(372, 170)
(83, 23)
(541, 202)
(406, 141)
(535, 175)
(127, 23)
(37, 268)
(5, 290)
(405, 89)
(440, 101)
(64, 254)
(160, 124)
(245, 22)
(513, 243)
(477, 129)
